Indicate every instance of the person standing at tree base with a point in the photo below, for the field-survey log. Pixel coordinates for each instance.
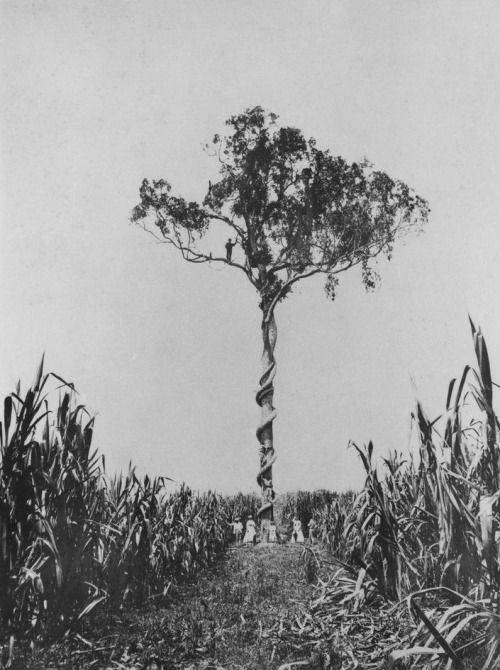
(251, 534)
(238, 531)
(312, 529)
(297, 534)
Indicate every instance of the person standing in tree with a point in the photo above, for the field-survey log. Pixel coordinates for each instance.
(229, 249)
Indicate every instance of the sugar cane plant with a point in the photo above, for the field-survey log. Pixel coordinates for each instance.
(73, 538)
(426, 533)
(48, 495)
(303, 504)
(295, 211)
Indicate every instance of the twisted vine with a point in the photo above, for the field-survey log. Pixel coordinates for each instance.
(264, 399)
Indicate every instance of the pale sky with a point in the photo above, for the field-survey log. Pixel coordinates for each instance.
(95, 96)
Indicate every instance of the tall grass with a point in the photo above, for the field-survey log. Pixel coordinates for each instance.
(49, 490)
(243, 505)
(426, 530)
(72, 538)
(302, 505)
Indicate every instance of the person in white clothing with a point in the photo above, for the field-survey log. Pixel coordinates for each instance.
(297, 534)
(237, 530)
(273, 537)
(312, 530)
(251, 534)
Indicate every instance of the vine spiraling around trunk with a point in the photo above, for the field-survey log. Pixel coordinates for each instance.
(264, 399)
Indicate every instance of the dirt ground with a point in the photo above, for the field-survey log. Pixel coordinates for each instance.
(246, 612)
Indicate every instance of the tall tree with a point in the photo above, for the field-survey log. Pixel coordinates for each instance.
(295, 211)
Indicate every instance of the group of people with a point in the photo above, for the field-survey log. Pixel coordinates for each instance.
(250, 536)
(251, 532)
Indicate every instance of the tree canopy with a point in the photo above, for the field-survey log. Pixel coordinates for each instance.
(296, 210)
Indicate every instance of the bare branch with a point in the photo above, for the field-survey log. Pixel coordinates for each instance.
(226, 220)
(193, 256)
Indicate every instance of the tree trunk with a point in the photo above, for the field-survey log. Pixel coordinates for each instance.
(264, 433)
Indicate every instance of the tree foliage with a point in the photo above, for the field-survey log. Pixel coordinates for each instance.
(296, 210)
